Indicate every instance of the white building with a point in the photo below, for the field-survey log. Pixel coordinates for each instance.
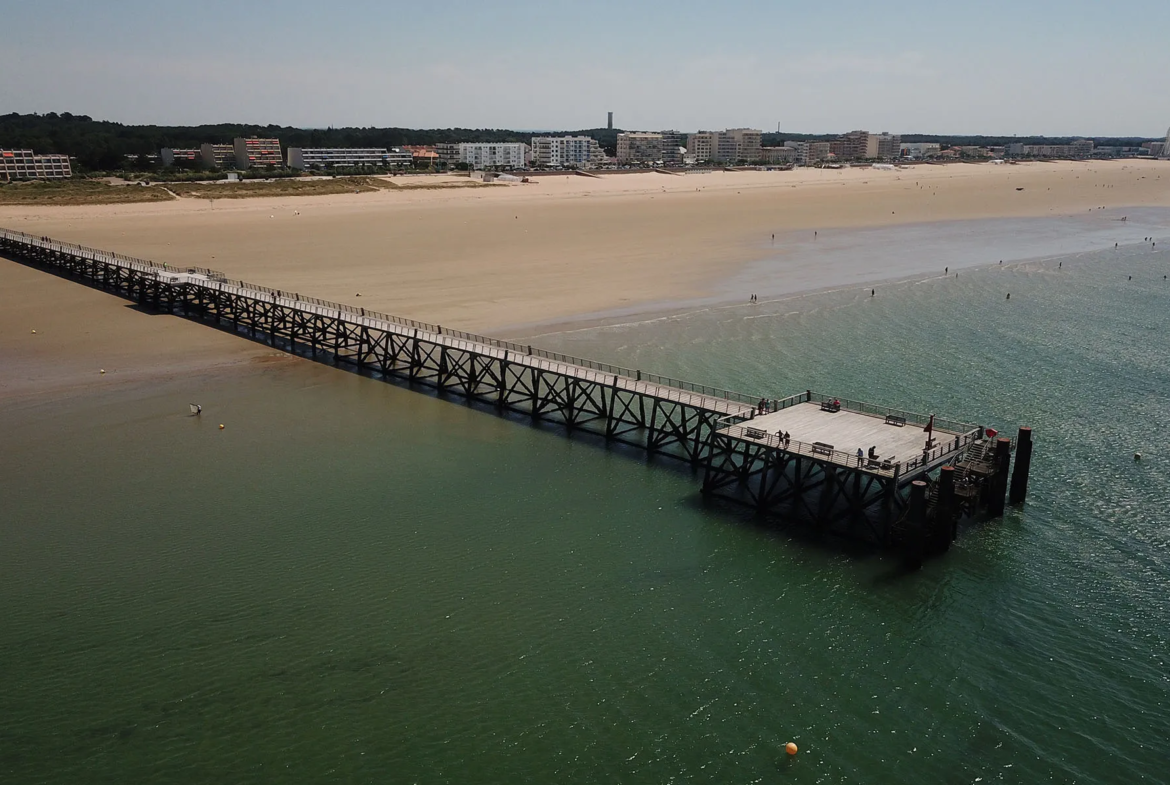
(583, 151)
(27, 165)
(494, 155)
(919, 149)
(344, 157)
(1166, 145)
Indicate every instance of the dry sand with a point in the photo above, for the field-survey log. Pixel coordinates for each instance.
(487, 258)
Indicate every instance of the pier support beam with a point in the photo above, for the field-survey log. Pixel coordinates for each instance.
(1019, 490)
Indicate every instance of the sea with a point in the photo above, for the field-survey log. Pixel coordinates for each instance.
(357, 582)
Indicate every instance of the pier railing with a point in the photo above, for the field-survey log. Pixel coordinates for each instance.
(732, 426)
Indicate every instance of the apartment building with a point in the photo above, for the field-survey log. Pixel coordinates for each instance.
(218, 156)
(734, 144)
(448, 153)
(172, 155)
(339, 157)
(701, 145)
(27, 165)
(253, 152)
(778, 155)
(494, 155)
(553, 151)
(673, 146)
(885, 145)
(852, 146)
(1081, 148)
(639, 147)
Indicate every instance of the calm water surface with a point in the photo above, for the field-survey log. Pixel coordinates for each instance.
(357, 583)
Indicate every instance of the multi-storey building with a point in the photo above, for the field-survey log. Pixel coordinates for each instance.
(254, 152)
(639, 147)
(448, 152)
(399, 158)
(1082, 148)
(673, 145)
(495, 155)
(337, 157)
(852, 146)
(701, 145)
(1156, 148)
(583, 151)
(218, 156)
(885, 145)
(745, 144)
(778, 155)
(734, 144)
(818, 151)
(172, 155)
(27, 165)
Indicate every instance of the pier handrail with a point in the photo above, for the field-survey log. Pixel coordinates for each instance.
(912, 418)
(901, 468)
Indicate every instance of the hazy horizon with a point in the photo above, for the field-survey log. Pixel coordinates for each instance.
(1007, 70)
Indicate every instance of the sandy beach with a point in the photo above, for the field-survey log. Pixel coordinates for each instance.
(563, 247)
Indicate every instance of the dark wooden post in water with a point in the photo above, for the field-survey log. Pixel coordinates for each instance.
(945, 517)
(998, 486)
(1019, 489)
(916, 524)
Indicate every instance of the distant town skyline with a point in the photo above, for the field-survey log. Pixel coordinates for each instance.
(1045, 68)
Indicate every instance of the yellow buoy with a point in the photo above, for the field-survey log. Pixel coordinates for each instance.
(34, 332)
(790, 747)
(103, 370)
(221, 426)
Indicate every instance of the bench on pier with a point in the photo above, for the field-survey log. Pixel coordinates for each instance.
(895, 419)
(830, 406)
(820, 448)
(885, 464)
(755, 433)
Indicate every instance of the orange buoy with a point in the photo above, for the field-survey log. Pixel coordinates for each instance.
(790, 748)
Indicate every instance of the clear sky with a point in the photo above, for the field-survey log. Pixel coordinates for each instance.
(995, 67)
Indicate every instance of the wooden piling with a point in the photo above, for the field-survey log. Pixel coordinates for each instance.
(945, 517)
(915, 544)
(997, 488)
(1023, 465)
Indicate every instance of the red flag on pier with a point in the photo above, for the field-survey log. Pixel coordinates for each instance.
(930, 425)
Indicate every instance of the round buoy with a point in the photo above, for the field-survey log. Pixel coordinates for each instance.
(221, 426)
(790, 748)
(34, 332)
(1137, 456)
(103, 370)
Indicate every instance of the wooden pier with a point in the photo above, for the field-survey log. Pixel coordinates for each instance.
(736, 440)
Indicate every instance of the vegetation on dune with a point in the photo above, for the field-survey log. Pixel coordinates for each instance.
(71, 192)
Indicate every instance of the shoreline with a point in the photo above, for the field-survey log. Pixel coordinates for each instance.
(735, 291)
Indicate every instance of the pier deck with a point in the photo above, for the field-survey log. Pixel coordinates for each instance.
(836, 436)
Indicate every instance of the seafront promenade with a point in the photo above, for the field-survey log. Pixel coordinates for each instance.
(859, 460)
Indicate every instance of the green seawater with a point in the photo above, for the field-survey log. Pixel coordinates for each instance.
(354, 582)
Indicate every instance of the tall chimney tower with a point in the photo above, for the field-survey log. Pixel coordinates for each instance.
(610, 126)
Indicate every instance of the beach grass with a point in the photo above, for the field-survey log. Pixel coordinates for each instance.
(78, 192)
(246, 189)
